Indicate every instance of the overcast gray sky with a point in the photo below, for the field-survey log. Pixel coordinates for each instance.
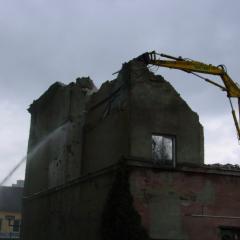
(43, 41)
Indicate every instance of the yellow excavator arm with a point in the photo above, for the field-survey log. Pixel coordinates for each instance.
(232, 89)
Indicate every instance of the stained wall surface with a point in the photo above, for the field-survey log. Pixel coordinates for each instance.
(186, 204)
(106, 136)
(157, 108)
(125, 113)
(79, 135)
(72, 212)
(55, 141)
(85, 133)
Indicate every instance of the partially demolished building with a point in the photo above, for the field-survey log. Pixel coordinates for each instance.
(123, 162)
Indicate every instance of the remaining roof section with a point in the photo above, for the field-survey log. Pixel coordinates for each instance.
(11, 199)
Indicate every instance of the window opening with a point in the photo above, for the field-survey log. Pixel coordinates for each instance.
(163, 149)
(230, 233)
(16, 226)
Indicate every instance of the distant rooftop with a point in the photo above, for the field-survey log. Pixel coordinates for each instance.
(11, 199)
(20, 183)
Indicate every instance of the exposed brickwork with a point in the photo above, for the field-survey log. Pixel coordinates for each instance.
(190, 205)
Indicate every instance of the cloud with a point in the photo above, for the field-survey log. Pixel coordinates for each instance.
(221, 142)
(46, 41)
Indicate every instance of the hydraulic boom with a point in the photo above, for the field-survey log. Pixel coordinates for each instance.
(230, 87)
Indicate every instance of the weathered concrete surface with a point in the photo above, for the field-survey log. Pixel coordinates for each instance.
(93, 130)
(156, 108)
(169, 202)
(124, 113)
(72, 212)
(57, 116)
(106, 128)
(121, 118)
(120, 220)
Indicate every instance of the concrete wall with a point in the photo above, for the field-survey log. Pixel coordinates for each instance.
(168, 202)
(106, 127)
(76, 133)
(73, 212)
(124, 113)
(157, 108)
(80, 134)
(55, 141)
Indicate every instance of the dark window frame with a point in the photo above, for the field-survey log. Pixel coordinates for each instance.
(16, 227)
(231, 229)
(174, 140)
